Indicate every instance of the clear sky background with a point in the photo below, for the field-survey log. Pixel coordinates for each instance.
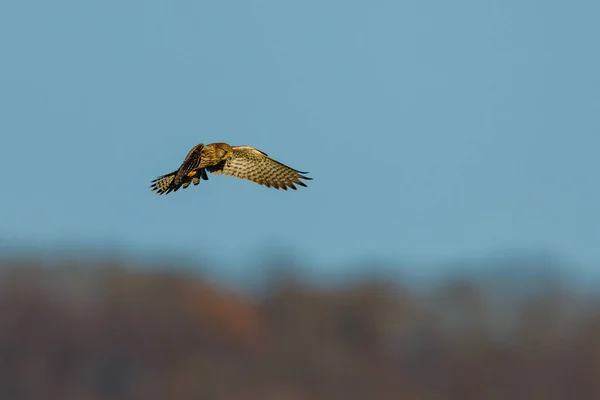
(434, 130)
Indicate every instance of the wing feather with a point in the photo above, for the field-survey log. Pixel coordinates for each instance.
(256, 166)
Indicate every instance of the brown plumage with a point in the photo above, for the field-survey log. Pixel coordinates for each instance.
(243, 162)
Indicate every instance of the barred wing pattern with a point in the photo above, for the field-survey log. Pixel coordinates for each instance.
(256, 166)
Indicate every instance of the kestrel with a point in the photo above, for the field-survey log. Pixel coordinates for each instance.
(243, 162)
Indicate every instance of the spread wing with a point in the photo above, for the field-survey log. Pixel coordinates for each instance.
(256, 166)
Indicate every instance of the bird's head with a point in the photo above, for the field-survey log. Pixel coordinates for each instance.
(224, 151)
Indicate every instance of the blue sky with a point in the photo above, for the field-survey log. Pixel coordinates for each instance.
(433, 130)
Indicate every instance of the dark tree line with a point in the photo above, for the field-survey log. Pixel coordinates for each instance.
(105, 331)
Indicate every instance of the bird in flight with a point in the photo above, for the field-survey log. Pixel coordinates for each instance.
(243, 162)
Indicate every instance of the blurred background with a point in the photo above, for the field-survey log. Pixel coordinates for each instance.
(447, 248)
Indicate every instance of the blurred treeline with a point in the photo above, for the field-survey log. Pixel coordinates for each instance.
(104, 330)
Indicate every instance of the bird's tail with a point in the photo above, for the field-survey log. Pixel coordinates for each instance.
(166, 184)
